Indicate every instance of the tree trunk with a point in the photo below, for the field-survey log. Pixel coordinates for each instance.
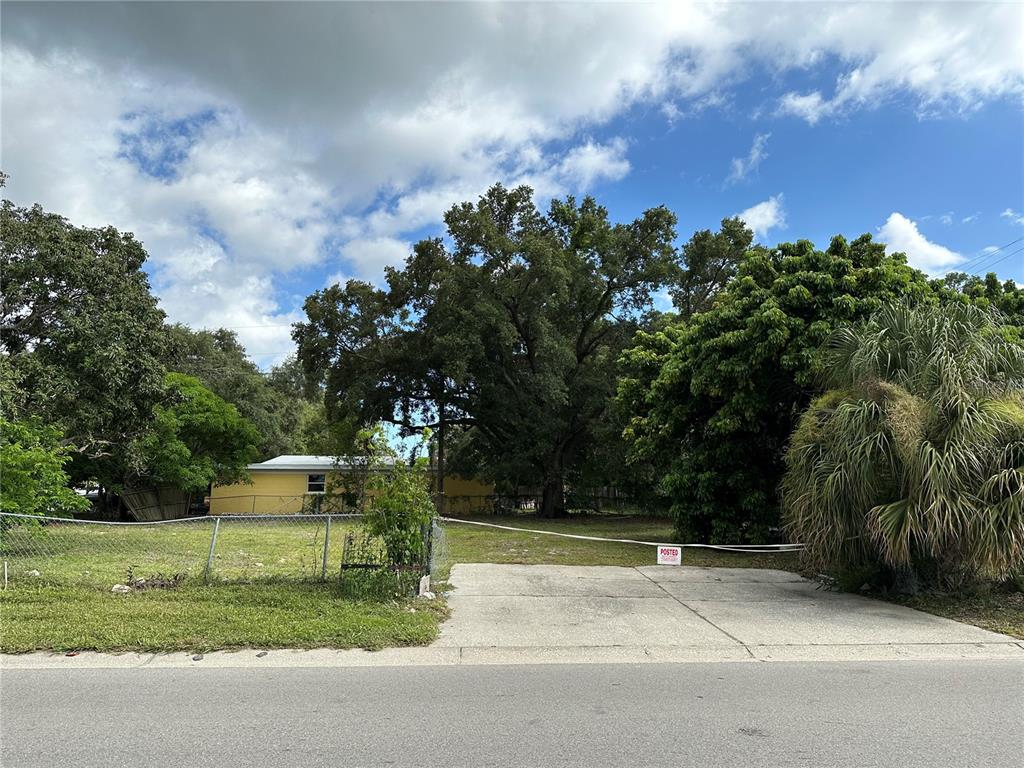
(552, 503)
(440, 465)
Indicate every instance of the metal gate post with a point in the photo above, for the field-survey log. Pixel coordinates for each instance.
(327, 544)
(213, 544)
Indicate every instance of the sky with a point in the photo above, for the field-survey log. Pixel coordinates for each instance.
(263, 151)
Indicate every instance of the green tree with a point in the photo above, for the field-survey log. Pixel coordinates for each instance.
(273, 402)
(714, 398)
(711, 260)
(511, 335)
(197, 438)
(915, 456)
(1006, 296)
(33, 480)
(80, 334)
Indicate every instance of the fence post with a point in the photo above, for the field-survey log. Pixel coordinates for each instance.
(213, 544)
(327, 544)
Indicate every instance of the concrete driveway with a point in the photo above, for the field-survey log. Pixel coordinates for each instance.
(551, 613)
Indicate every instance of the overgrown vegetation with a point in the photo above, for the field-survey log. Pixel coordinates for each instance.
(88, 366)
(391, 551)
(914, 459)
(714, 397)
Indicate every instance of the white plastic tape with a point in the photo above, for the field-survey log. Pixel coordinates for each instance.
(764, 549)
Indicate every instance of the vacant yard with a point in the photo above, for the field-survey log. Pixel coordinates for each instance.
(100, 555)
(201, 618)
(264, 592)
(476, 544)
(263, 589)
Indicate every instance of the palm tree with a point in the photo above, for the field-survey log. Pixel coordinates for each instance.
(915, 456)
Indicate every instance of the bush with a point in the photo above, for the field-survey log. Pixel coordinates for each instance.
(400, 512)
(915, 458)
(32, 476)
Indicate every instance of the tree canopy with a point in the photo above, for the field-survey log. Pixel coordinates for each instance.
(33, 480)
(714, 398)
(509, 333)
(711, 260)
(196, 439)
(274, 402)
(85, 356)
(82, 335)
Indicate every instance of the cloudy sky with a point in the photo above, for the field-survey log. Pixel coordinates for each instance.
(261, 151)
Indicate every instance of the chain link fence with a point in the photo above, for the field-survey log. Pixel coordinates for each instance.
(235, 548)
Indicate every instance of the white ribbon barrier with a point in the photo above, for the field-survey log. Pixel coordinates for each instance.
(764, 549)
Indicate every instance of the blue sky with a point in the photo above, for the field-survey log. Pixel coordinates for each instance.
(262, 151)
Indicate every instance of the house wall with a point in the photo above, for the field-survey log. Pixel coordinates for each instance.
(283, 493)
(269, 493)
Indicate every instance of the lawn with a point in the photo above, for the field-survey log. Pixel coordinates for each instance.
(202, 618)
(264, 590)
(100, 555)
(476, 544)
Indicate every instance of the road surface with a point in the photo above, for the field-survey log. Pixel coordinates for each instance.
(858, 714)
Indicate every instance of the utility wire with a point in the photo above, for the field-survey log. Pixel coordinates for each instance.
(981, 257)
(1000, 259)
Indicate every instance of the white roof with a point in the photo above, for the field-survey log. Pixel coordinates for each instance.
(296, 463)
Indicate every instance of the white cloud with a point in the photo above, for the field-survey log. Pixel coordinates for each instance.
(742, 166)
(969, 219)
(900, 234)
(588, 163)
(369, 256)
(947, 57)
(1013, 216)
(809, 106)
(334, 132)
(764, 216)
(946, 218)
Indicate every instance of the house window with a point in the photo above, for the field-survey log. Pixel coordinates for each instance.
(316, 483)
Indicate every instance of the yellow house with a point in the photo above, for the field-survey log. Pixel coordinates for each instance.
(292, 484)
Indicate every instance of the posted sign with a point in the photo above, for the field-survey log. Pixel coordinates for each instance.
(669, 555)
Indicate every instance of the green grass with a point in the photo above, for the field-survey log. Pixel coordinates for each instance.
(270, 598)
(100, 555)
(476, 544)
(262, 592)
(203, 618)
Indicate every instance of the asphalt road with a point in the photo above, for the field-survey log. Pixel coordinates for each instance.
(906, 713)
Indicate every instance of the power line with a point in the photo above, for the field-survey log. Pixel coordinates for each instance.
(1002, 258)
(987, 254)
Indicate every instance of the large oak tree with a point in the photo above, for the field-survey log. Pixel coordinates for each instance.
(508, 331)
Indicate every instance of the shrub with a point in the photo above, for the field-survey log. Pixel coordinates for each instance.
(33, 480)
(915, 457)
(400, 512)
